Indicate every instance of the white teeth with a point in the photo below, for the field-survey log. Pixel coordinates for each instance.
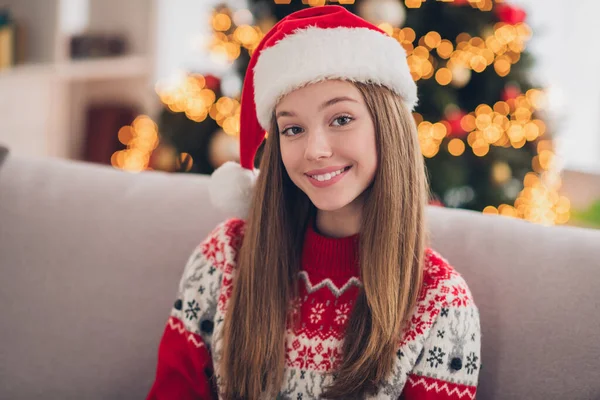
(328, 176)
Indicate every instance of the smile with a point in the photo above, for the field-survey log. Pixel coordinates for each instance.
(328, 178)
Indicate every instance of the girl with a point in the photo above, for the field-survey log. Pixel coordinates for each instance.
(326, 289)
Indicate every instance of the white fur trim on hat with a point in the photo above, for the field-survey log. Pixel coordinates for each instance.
(315, 54)
(230, 189)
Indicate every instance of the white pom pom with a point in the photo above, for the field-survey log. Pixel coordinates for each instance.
(230, 189)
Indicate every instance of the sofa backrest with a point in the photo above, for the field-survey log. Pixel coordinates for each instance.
(90, 258)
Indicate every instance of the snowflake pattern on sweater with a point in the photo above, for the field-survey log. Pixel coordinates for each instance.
(437, 358)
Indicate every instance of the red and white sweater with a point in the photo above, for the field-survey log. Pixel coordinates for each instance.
(437, 358)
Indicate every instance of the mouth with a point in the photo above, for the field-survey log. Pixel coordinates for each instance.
(328, 176)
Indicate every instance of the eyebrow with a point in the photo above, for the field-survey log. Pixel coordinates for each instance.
(326, 104)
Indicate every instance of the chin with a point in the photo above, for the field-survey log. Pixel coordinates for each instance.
(330, 204)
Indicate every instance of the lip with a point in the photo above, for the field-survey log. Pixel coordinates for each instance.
(332, 181)
(327, 170)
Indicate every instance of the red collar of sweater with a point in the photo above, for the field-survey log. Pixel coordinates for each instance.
(330, 257)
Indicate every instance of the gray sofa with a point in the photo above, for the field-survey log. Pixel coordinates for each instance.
(90, 258)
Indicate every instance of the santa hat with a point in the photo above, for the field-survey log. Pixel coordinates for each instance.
(307, 46)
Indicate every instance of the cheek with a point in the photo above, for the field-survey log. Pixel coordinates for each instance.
(288, 156)
(371, 153)
(363, 146)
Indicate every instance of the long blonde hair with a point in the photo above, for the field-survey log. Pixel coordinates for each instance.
(391, 248)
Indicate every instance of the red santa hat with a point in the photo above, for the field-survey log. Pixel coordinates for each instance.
(307, 46)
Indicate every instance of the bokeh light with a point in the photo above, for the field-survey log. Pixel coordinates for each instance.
(141, 138)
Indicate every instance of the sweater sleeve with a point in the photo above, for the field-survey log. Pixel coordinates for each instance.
(185, 369)
(449, 363)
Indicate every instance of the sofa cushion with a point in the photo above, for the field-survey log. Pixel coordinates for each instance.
(536, 288)
(90, 260)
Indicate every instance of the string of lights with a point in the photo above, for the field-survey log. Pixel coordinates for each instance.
(508, 123)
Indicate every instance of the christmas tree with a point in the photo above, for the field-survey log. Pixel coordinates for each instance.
(480, 119)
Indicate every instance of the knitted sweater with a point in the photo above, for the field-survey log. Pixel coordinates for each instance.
(437, 358)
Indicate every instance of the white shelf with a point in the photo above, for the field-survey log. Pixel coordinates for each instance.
(106, 68)
(123, 67)
(26, 70)
(44, 102)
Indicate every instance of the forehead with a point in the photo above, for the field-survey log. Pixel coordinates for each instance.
(315, 93)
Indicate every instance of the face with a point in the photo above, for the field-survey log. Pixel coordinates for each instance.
(327, 141)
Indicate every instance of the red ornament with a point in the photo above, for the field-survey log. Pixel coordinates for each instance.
(453, 119)
(510, 14)
(212, 82)
(460, 2)
(436, 203)
(510, 92)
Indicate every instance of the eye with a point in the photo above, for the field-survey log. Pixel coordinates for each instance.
(291, 131)
(342, 120)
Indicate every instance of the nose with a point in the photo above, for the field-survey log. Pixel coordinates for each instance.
(317, 146)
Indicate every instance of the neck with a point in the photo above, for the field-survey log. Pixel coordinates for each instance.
(340, 223)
